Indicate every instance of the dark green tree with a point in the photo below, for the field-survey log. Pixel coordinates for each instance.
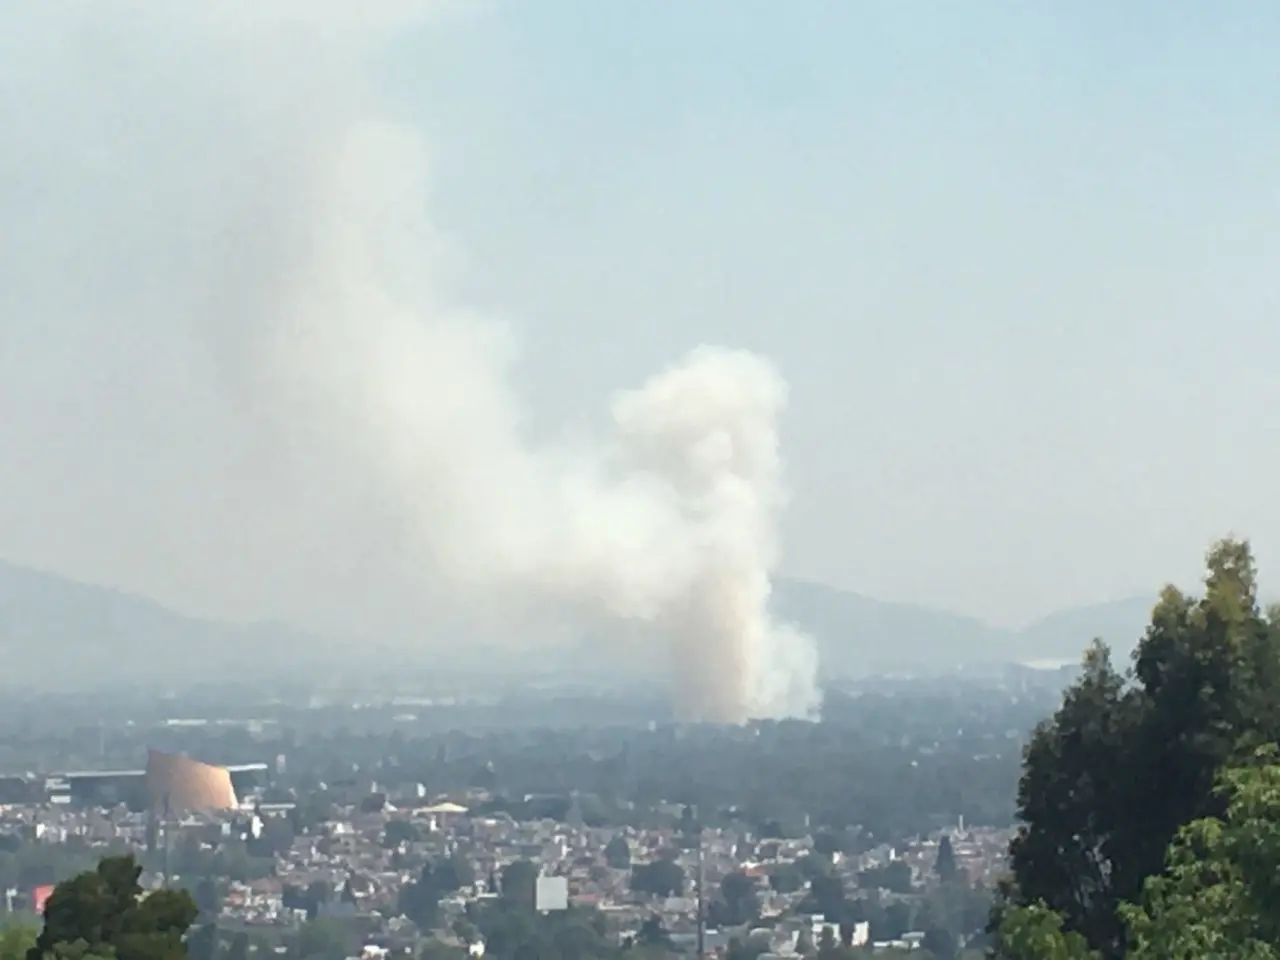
(811, 867)
(1128, 759)
(690, 825)
(519, 884)
(893, 922)
(826, 844)
(420, 899)
(748, 949)
(397, 832)
(319, 892)
(805, 946)
(208, 898)
(785, 878)
(454, 873)
(945, 864)
(828, 944)
(202, 942)
(660, 878)
(1036, 933)
(16, 939)
(505, 928)
(104, 912)
(653, 933)
(1219, 894)
(325, 939)
(738, 898)
(617, 853)
(897, 876)
(826, 897)
(940, 943)
(465, 930)
(438, 950)
(894, 876)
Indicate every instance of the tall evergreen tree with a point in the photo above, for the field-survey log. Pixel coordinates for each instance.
(1129, 758)
(945, 864)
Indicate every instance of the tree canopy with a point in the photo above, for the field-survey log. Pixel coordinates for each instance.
(1131, 757)
(945, 863)
(617, 853)
(1219, 894)
(1035, 933)
(104, 913)
(16, 940)
(660, 878)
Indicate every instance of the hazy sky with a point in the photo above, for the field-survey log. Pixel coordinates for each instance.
(1019, 264)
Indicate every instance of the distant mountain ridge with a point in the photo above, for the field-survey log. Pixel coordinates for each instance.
(58, 632)
(857, 634)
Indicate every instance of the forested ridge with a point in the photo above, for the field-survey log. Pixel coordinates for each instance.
(1150, 801)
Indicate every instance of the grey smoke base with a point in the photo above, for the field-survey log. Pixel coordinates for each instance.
(355, 384)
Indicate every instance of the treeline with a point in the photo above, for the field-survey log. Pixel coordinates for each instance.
(1150, 801)
(897, 766)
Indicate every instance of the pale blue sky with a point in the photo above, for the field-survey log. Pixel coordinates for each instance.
(1020, 264)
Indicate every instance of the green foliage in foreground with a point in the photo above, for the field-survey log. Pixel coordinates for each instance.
(1035, 933)
(103, 913)
(1217, 898)
(1220, 894)
(16, 940)
(1150, 801)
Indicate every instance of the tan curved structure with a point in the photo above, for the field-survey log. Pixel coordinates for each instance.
(178, 784)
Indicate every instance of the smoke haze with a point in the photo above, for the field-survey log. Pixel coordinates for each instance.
(267, 236)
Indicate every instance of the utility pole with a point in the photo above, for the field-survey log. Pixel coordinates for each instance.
(702, 915)
(164, 825)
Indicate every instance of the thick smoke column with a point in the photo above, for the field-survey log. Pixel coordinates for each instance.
(671, 520)
(327, 314)
(708, 427)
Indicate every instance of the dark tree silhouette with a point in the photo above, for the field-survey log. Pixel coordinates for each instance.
(104, 912)
(1129, 758)
(617, 853)
(661, 878)
(945, 864)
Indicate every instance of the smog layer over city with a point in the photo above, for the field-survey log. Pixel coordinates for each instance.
(565, 480)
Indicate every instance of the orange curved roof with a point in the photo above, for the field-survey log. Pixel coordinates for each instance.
(178, 784)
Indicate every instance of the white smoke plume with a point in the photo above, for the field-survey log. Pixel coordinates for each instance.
(331, 319)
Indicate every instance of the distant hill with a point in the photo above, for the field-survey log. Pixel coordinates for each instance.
(857, 634)
(1120, 623)
(58, 633)
(55, 632)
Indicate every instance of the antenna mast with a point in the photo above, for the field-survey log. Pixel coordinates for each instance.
(702, 915)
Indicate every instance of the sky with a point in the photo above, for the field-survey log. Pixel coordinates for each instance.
(1018, 264)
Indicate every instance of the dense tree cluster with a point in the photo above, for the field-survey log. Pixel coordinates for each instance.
(659, 878)
(103, 913)
(896, 761)
(420, 898)
(1150, 800)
